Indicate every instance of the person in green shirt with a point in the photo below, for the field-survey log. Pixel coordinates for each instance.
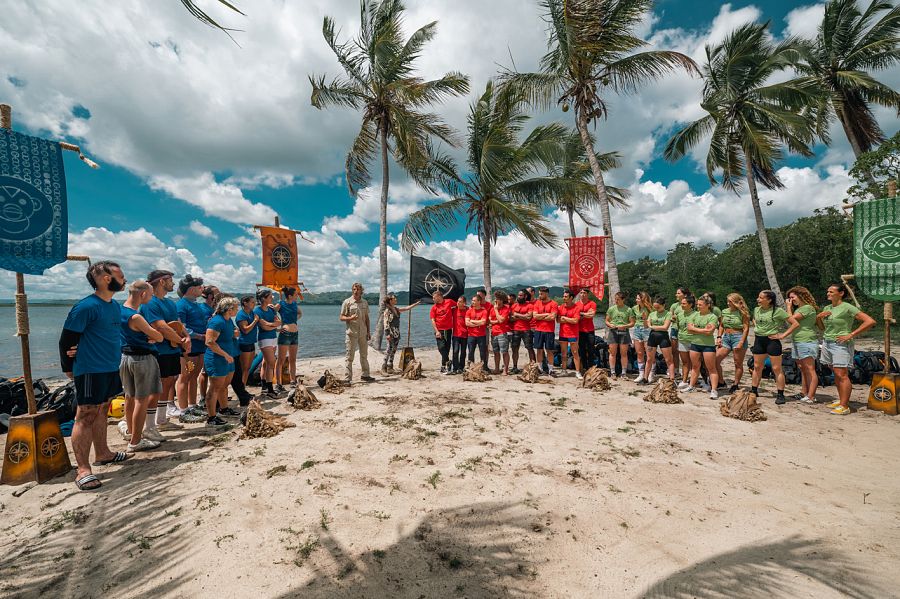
(659, 321)
(685, 338)
(802, 328)
(619, 318)
(642, 308)
(718, 312)
(680, 293)
(702, 326)
(837, 349)
(768, 321)
(734, 327)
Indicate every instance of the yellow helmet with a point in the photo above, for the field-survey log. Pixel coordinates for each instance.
(117, 407)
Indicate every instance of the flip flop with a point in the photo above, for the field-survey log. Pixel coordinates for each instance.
(120, 456)
(83, 482)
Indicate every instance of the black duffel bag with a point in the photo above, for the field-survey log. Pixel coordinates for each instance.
(12, 397)
(62, 401)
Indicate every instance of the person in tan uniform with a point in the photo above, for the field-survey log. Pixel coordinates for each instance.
(355, 316)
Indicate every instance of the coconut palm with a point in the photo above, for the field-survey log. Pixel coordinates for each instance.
(201, 15)
(499, 191)
(849, 44)
(751, 118)
(379, 79)
(592, 52)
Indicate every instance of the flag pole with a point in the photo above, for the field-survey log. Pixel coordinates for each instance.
(888, 307)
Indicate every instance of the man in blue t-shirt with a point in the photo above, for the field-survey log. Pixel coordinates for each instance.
(194, 317)
(92, 329)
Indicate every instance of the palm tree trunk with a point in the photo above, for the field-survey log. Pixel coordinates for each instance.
(763, 236)
(486, 263)
(382, 240)
(851, 137)
(571, 214)
(611, 266)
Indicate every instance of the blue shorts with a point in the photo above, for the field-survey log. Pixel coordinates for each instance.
(805, 349)
(641, 334)
(288, 337)
(731, 341)
(568, 339)
(544, 340)
(837, 355)
(216, 365)
(95, 388)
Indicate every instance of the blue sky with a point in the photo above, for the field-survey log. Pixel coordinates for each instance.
(199, 138)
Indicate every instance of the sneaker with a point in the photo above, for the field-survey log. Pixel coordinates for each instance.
(779, 399)
(153, 435)
(143, 445)
(705, 387)
(642, 381)
(189, 417)
(443, 369)
(367, 379)
(683, 385)
(202, 403)
(447, 372)
(806, 399)
(714, 395)
(652, 377)
(215, 421)
(833, 404)
(279, 389)
(515, 371)
(579, 376)
(639, 379)
(123, 429)
(229, 412)
(196, 410)
(840, 411)
(689, 389)
(169, 426)
(733, 389)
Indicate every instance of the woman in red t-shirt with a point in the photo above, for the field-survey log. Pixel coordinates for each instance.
(500, 328)
(442, 321)
(460, 336)
(476, 325)
(569, 316)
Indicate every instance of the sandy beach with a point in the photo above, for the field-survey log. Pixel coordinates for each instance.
(443, 488)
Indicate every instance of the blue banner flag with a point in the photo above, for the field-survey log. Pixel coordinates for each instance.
(34, 231)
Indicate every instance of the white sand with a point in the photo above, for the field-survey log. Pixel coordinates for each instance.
(440, 488)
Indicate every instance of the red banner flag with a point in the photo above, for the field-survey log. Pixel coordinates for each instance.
(587, 264)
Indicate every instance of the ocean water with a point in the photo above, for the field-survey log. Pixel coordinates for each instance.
(321, 334)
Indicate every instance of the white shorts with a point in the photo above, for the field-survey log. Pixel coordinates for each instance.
(268, 343)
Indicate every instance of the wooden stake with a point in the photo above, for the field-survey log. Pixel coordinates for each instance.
(21, 301)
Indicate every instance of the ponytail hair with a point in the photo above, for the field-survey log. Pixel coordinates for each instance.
(771, 296)
(691, 300)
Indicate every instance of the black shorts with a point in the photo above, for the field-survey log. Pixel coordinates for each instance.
(95, 388)
(764, 345)
(659, 339)
(169, 365)
(194, 354)
(247, 348)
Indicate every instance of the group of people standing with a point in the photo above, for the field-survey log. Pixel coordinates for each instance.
(173, 359)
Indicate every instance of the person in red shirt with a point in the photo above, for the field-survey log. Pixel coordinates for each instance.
(544, 312)
(569, 314)
(460, 336)
(476, 325)
(586, 329)
(520, 317)
(500, 328)
(442, 320)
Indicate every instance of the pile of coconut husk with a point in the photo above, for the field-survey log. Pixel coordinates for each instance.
(597, 379)
(475, 372)
(261, 423)
(532, 374)
(331, 383)
(412, 370)
(303, 399)
(742, 405)
(664, 391)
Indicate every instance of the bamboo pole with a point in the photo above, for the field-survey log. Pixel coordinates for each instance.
(22, 329)
(888, 307)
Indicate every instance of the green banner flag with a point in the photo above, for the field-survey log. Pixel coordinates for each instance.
(876, 257)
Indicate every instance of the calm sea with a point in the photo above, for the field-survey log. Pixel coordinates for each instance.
(321, 334)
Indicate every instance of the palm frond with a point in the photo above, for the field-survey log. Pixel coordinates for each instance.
(687, 138)
(425, 223)
(628, 74)
(340, 92)
(204, 17)
(361, 154)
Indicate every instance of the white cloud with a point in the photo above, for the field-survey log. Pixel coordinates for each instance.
(202, 230)
(804, 21)
(222, 200)
(404, 198)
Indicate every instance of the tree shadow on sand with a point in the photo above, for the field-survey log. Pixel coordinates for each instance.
(769, 570)
(470, 551)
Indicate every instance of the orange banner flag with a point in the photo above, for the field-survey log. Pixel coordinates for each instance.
(279, 253)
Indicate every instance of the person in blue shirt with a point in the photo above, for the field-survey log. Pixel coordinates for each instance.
(194, 317)
(289, 311)
(92, 329)
(210, 295)
(268, 324)
(247, 323)
(138, 369)
(160, 311)
(221, 339)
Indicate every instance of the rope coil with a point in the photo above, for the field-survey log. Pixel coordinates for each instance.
(22, 327)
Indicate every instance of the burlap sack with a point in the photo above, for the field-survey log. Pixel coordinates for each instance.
(597, 379)
(261, 423)
(412, 371)
(664, 391)
(742, 405)
(304, 399)
(475, 372)
(532, 374)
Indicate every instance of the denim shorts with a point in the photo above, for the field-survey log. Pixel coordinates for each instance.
(288, 338)
(544, 340)
(500, 343)
(618, 337)
(641, 334)
(673, 333)
(837, 355)
(731, 340)
(517, 337)
(804, 349)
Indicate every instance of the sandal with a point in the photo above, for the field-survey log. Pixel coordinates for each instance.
(85, 483)
(840, 411)
(120, 456)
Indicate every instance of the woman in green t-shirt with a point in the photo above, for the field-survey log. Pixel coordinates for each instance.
(680, 293)
(685, 338)
(659, 321)
(804, 335)
(734, 327)
(837, 348)
(641, 334)
(702, 326)
(619, 318)
(768, 321)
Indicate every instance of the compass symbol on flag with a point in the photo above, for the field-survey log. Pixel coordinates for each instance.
(438, 280)
(282, 257)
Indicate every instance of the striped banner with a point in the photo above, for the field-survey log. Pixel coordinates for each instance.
(876, 256)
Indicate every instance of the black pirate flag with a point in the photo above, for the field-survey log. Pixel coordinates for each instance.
(427, 276)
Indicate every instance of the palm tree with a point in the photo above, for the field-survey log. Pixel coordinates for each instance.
(199, 14)
(592, 51)
(498, 192)
(750, 118)
(578, 194)
(379, 79)
(850, 43)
